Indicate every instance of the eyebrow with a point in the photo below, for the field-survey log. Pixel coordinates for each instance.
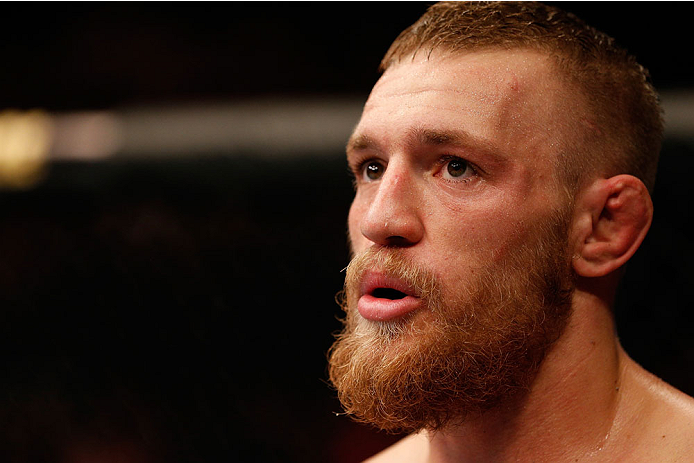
(440, 137)
(419, 136)
(360, 143)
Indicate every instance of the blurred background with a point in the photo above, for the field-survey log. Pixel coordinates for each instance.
(172, 226)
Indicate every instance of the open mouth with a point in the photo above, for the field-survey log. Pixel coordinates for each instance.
(386, 298)
(388, 293)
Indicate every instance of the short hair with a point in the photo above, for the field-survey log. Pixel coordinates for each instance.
(617, 90)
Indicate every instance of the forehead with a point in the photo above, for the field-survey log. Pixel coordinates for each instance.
(510, 100)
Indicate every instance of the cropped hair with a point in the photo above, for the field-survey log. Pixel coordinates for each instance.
(623, 105)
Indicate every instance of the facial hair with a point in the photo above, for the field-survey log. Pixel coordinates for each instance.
(454, 357)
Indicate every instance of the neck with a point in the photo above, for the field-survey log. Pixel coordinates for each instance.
(569, 411)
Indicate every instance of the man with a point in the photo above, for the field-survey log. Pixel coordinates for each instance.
(502, 168)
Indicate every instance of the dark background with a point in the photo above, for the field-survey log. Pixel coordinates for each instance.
(180, 310)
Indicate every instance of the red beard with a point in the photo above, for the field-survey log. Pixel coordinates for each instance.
(452, 357)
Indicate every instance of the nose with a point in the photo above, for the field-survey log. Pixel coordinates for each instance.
(392, 217)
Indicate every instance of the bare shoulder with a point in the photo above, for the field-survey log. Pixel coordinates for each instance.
(673, 406)
(411, 449)
(667, 421)
(677, 411)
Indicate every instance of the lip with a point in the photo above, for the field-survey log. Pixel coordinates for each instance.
(382, 309)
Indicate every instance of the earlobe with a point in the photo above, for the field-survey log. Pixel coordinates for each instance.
(612, 218)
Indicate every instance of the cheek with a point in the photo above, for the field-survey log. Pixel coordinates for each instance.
(474, 240)
(483, 223)
(357, 240)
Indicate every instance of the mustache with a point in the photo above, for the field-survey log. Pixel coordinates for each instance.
(393, 263)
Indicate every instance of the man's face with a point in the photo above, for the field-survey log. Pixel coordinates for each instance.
(459, 230)
(455, 156)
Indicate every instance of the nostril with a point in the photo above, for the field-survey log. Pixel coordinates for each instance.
(391, 217)
(398, 241)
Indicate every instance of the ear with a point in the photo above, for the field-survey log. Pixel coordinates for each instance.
(612, 217)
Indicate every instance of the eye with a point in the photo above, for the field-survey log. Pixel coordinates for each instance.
(373, 170)
(456, 168)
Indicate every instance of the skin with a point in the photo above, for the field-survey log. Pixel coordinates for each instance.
(463, 149)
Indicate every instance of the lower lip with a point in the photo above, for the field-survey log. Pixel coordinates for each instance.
(379, 309)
